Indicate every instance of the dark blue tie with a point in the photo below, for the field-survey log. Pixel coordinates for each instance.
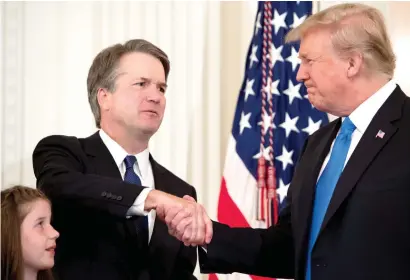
(327, 183)
(131, 177)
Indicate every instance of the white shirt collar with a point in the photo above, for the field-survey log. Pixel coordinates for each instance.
(363, 115)
(119, 154)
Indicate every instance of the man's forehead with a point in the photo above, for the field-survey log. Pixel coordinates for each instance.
(141, 64)
(314, 42)
(304, 50)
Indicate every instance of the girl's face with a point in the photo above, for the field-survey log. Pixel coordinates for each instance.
(38, 237)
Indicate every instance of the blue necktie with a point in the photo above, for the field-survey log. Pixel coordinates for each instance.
(327, 183)
(131, 177)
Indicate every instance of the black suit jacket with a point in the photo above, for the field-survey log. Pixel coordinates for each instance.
(366, 230)
(89, 204)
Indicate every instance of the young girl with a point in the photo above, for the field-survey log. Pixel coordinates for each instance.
(28, 240)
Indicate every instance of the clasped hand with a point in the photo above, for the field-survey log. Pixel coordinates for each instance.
(187, 221)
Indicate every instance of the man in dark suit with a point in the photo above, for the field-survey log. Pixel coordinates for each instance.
(104, 187)
(348, 211)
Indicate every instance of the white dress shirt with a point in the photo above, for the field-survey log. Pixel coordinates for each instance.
(362, 116)
(143, 169)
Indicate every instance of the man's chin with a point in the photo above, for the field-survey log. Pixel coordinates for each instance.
(313, 101)
(318, 106)
(149, 130)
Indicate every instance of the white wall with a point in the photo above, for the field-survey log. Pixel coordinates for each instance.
(48, 48)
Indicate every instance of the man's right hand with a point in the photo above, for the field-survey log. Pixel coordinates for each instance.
(186, 219)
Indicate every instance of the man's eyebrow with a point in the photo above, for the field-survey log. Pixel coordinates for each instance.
(302, 55)
(162, 84)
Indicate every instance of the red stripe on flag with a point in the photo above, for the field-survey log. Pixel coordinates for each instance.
(229, 213)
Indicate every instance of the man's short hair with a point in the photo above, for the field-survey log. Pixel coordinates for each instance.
(354, 28)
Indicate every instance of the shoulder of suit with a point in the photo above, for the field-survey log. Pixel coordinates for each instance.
(70, 142)
(59, 139)
(407, 102)
(178, 181)
(406, 109)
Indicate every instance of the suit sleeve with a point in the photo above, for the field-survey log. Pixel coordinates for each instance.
(264, 252)
(60, 168)
(186, 259)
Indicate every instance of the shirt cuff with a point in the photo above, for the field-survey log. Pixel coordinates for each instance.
(137, 209)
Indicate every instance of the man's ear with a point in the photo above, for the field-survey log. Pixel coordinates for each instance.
(355, 62)
(104, 99)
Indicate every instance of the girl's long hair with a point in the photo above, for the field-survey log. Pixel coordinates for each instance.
(14, 202)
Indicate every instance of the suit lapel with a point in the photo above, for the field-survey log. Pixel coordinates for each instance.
(311, 166)
(160, 238)
(162, 184)
(103, 164)
(100, 158)
(159, 185)
(366, 150)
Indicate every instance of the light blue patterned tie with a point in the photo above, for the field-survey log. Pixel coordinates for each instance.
(327, 183)
(131, 177)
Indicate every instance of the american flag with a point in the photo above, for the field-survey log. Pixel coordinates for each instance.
(273, 118)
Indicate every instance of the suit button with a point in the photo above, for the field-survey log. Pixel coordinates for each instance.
(114, 196)
(119, 197)
(103, 194)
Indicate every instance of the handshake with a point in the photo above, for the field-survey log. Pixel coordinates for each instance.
(185, 218)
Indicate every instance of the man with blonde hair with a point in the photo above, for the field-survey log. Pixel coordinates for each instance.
(348, 210)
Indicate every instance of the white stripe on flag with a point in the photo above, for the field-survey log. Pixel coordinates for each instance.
(241, 185)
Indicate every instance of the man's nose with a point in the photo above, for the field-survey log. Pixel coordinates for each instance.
(154, 94)
(302, 74)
